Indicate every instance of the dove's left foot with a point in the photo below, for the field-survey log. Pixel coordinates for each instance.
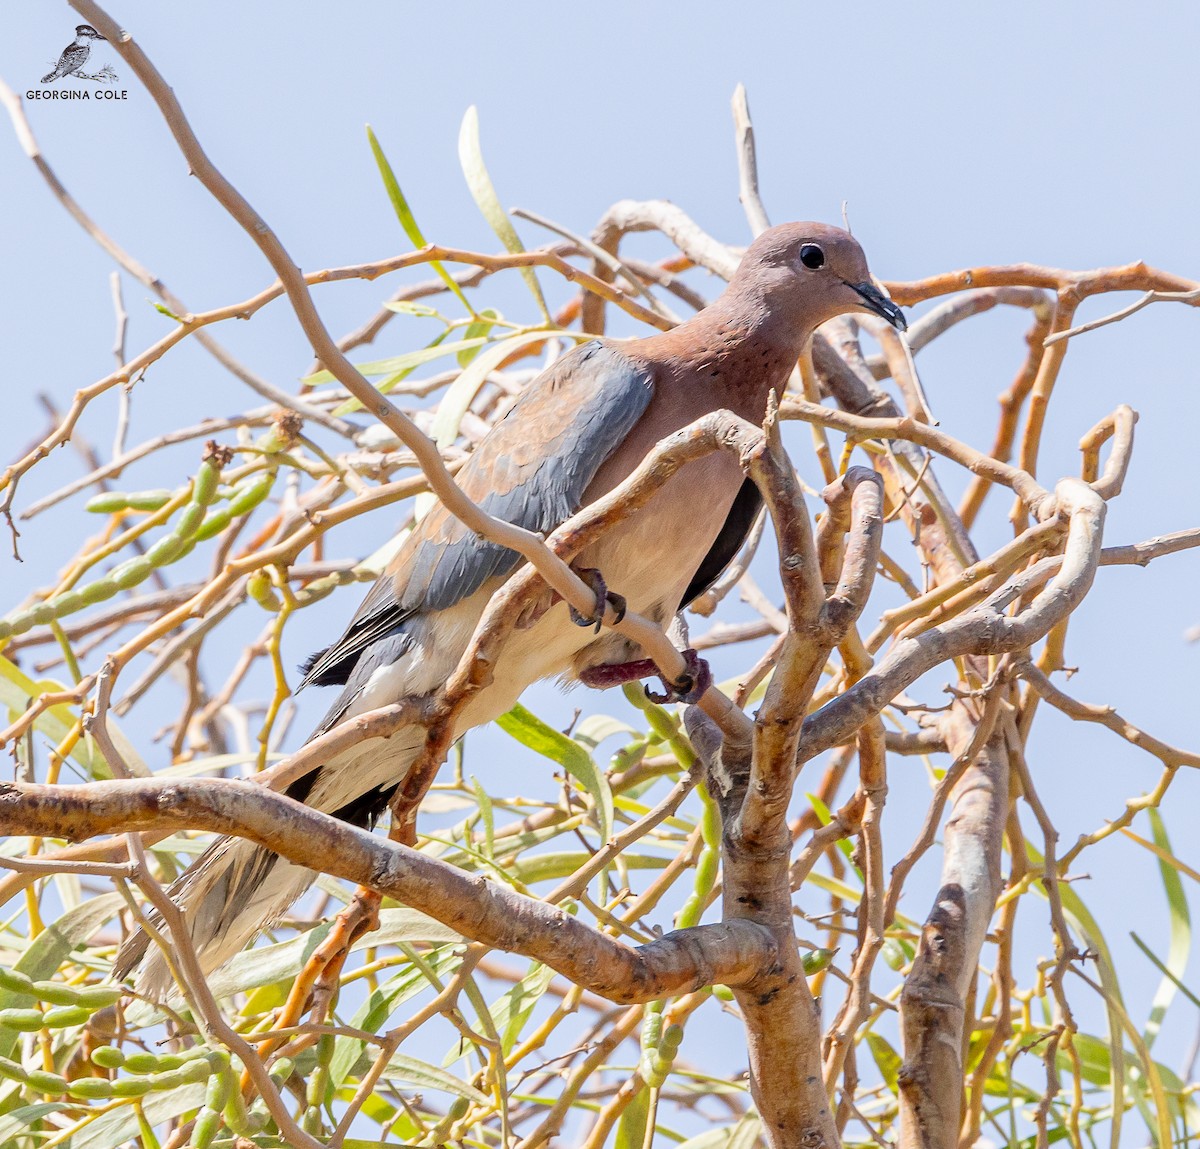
(690, 687)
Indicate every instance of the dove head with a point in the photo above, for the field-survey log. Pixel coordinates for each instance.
(87, 32)
(808, 273)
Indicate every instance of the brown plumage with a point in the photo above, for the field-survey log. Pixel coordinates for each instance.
(578, 430)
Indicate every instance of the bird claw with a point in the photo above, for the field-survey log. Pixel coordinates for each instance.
(690, 687)
(604, 599)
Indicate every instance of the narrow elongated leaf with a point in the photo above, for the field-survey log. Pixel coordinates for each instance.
(512, 1011)
(119, 1125)
(471, 157)
(528, 729)
(410, 1070)
(631, 1129)
(477, 327)
(266, 965)
(460, 394)
(373, 1014)
(437, 348)
(17, 689)
(544, 867)
(888, 1060)
(1181, 932)
(405, 216)
(19, 1121)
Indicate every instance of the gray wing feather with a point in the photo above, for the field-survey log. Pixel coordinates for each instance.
(531, 470)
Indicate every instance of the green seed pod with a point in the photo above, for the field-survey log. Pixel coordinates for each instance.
(132, 1087)
(722, 993)
(55, 992)
(816, 960)
(40, 615)
(311, 1122)
(98, 996)
(672, 1039)
(168, 1061)
(164, 551)
(243, 1122)
(196, 1071)
(283, 1069)
(63, 1015)
(259, 588)
(106, 502)
(706, 871)
(143, 1063)
(214, 523)
(67, 603)
(22, 1020)
(15, 982)
(149, 500)
(652, 1030)
(98, 591)
(204, 1132)
(132, 572)
(48, 1083)
(458, 1109)
(108, 1057)
(91, 1088)
(249, 494)
(218, 1090)
(689, 913)
(170, 1079)
(205, 488)
(190, 520)
(11, 1071)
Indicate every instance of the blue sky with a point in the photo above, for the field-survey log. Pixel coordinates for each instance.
(966, 135)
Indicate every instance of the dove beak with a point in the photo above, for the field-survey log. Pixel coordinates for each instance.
(874, 301)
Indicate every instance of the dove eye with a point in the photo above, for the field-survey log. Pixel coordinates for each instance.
(812, 256)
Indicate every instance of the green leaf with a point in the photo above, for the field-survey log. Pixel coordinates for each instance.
(1181, 933)
(631, 1129)
(1081, 917)
(746, 1132)
(888, 1060)
(488, 814)
(512, 1011)
(119, 1125)
(528, 729)
(399, 365)
(405, 216)
(545, 867)
(461, 393)
(19, 1120)
(595, 728)
(408, 307)
(401, 1067)
(17, 689)
(1183, 989)
(477, 327)
(373, 1014)
(823, 813)
(471, 157)
(710, 1139)
(266, 965)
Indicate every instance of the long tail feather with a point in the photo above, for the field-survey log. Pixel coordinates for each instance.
(235, 888)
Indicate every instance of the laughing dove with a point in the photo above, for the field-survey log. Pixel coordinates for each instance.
(575, 433)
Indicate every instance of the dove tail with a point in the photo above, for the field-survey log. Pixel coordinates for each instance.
(235, 888)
